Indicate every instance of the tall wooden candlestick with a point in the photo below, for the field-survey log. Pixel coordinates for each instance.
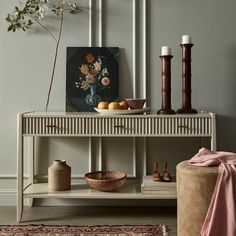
(186, 80)
(166, 85)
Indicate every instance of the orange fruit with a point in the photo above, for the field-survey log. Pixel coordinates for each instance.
(113, 106)
(123, 105)
(103, 105)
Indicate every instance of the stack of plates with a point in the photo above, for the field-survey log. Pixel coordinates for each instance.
(148, 186)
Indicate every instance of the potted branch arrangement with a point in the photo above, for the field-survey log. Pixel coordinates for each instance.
(24, 16)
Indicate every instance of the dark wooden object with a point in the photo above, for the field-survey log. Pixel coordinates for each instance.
(186, 80)
(166, 85)
(166, 175)
(156, 175)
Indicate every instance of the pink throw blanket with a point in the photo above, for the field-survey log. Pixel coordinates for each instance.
(221, 215)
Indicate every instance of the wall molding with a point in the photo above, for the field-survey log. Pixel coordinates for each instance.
(8, 197)
(134, 48)
(144, 48)
(7, 192)
(11, 176)
(91, 22)
(100, 23)
(79, 177)
(14, 176)
(144, 33)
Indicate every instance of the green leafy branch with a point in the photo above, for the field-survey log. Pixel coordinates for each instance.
(34, 11)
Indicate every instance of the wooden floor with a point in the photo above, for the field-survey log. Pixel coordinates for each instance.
(120, 215)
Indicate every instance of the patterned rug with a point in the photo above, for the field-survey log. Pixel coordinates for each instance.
(65, 230)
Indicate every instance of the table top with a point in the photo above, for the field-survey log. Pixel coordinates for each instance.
(96, 114)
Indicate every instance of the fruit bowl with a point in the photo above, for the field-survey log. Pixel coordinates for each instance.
(105, 181)
(135, 103)
(122, 111)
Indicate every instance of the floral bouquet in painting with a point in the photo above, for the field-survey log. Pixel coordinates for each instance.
(92, 76)
(94, 73)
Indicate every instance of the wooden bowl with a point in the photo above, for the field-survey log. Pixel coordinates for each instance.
(105, 180)
(135, 103)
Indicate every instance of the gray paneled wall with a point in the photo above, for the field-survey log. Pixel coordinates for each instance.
(25, 67)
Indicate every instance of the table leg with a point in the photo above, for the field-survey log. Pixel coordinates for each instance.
(20, 165)
(213, 135)
(31, 165)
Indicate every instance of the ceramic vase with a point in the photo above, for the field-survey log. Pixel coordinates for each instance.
(93, 98)
(59, 176)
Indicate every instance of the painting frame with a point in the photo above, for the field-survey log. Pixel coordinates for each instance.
(92, 75)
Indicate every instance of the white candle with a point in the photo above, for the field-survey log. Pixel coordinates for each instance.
(186, 39)
(165, 51)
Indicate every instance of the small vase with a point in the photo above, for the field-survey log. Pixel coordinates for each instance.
(93, 99)
(59, 176)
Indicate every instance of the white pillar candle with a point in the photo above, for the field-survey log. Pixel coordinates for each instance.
(186, 39)
(165, 51)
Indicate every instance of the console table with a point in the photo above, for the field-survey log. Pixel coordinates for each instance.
(58, 124)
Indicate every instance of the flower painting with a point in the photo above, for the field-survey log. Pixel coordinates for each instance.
(92, 76)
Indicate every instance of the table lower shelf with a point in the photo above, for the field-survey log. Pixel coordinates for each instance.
(130, 190)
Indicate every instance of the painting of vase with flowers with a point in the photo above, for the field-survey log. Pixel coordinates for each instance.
(92, 75)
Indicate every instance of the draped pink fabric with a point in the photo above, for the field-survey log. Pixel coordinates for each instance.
(221, 215)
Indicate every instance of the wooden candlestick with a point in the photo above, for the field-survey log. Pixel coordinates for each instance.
(166, 85)
(186, 80)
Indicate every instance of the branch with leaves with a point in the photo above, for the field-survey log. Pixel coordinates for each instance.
(36, 11)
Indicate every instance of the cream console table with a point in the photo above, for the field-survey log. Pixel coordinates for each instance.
(48, 124)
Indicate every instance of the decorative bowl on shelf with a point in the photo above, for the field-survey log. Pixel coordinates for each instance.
(105, 180)
(135, 103)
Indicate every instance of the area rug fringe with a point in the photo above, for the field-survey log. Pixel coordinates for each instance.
(67, 230)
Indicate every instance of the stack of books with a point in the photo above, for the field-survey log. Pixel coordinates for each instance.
(148, 186)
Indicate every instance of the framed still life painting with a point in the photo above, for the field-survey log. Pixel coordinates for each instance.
(92, 75)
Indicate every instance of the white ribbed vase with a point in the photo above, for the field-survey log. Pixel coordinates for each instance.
(59, 176)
